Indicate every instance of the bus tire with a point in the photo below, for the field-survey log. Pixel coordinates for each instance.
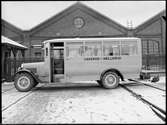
(24, 82)
(110, 80)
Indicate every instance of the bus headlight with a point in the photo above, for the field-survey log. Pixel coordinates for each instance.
(21, 67)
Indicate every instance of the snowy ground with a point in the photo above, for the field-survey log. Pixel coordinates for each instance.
(80, 103)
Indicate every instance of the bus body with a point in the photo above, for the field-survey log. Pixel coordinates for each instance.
(80, 59)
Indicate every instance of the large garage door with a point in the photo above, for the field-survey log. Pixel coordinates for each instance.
(152, 58)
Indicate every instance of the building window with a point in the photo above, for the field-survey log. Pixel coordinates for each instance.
(38, 54)
(144, 47)
(150, 47)
(79, 22)
(153, 47)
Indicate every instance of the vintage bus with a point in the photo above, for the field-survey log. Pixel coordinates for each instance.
(105, 60)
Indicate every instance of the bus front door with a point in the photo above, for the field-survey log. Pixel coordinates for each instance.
(57, 64)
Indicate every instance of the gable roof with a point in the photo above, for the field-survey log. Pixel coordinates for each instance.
(148, 22)
(85, 9)
(12, 27)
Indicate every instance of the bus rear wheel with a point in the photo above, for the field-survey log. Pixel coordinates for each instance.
(24, 82)
(110, 80)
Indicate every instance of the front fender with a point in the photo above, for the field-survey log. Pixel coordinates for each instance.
(23, 70)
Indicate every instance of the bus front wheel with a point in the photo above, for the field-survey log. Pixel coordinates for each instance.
(24, 82)
(110, 80)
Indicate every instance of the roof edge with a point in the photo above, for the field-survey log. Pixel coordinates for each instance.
(6, 40)
(151, 18)
(9, 25)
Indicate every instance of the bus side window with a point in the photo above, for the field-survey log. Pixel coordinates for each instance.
(111, 48)
(125, 49)
(128, 48)
(93, 49)
(74, 50)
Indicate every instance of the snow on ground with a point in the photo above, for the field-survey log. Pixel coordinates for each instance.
(153, 95)
(79, 104)
(98, 110)
(9, 98)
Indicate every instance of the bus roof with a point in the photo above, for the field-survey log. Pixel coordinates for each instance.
(87, 39)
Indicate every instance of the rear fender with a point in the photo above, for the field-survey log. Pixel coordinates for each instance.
(113, 70)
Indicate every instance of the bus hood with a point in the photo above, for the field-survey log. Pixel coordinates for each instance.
(36, 67)
(32, 65)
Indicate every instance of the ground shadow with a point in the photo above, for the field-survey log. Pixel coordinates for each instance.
(68, 87)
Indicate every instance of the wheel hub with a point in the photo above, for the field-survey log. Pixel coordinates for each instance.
(110, 79)
(23, 82)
